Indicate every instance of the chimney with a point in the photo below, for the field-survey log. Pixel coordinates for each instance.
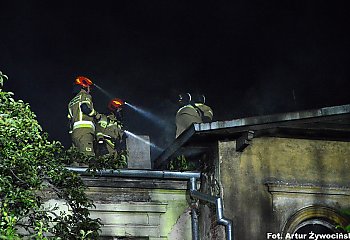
(139, 152)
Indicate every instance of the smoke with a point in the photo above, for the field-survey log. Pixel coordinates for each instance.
(158, 124)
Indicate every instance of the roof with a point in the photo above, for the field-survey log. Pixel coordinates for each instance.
(328, 123)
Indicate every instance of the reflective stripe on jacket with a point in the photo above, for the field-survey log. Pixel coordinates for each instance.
(83, 124)
(76, 117)
(109, 127)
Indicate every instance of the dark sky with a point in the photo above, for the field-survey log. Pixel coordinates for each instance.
(248, 57)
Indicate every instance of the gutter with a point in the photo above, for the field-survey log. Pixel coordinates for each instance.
(139, 173)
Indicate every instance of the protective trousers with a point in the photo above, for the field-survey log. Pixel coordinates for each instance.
(110, 147)
(83, 140)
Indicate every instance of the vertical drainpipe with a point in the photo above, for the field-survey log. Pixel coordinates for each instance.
(222, 220)
(194, 217)
(194, 222)
(219, 209)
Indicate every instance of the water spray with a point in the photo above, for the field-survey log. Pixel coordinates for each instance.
(148, 115)
(143, 140)
(109, 95)
(141, 111)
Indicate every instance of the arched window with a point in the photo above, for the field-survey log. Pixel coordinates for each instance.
(316, 219)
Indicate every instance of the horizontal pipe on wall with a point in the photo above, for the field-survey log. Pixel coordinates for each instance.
(139, 173)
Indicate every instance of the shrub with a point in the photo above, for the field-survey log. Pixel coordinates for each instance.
(32, 167)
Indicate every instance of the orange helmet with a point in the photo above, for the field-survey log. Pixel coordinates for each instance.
(83, 81)
(115, 103)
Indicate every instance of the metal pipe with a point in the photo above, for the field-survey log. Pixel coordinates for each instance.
(194, 223)
(204, 197)
(140, 173)
(222, 220)
(219, 208)
(193, 183)
(194, 217)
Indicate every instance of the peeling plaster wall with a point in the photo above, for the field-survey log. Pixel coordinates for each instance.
(182, 229)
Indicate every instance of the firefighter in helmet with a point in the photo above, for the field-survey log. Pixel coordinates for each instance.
(192, 110)
(81, 115)
(109, 129)
(2, 77)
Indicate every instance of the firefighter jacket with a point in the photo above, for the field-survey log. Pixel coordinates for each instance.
(109, 128)
(192, 113)
(76, 116)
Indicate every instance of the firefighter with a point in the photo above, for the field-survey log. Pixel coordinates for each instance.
(192, 110)
(204, 110)
(109, 129)
(2, 77)
(81, 115)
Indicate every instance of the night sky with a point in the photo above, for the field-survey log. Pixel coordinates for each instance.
(248, 57)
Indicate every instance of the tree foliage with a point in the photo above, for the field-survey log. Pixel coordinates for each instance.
(180, 163)
(32, 168)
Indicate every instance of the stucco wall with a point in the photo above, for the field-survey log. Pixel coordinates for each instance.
(299, 162)
(153, 213)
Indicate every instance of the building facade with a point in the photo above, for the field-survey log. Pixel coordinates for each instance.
(280, 176)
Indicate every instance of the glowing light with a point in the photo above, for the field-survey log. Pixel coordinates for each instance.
(118, 102)
(143, 140)
(84, 81)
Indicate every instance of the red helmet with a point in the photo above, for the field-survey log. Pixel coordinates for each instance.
(83, 81)
(115, 103)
